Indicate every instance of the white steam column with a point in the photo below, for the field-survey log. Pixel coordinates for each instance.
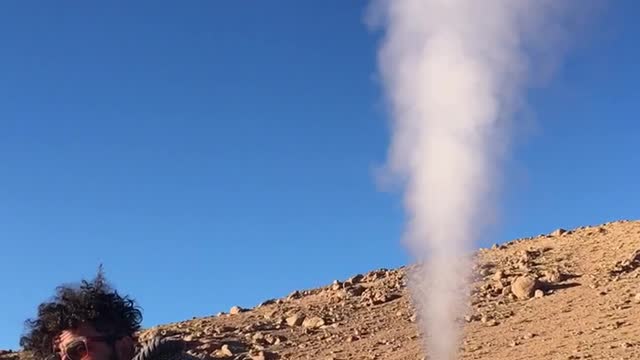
(453, 71)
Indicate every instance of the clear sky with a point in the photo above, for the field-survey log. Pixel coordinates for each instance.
(213, 154)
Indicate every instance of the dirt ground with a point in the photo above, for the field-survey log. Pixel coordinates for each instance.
(566, 295)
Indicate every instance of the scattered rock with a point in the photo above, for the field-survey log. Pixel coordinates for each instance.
(470, 318)
(313, 322)
(259, 338)
(355, 279)
(552, 276)
(524, 287)
(491, 323)
(636, 298)
(337, 285)
(538, 293)
(356, 290)
(295, 320)
(626, 266)
(559, 232)
(261, 355)
(268, 302)
(294, 295)
(226, 350)
(270, 314)
(236, 310)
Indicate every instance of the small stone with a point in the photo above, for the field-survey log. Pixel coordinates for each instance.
(336, 285)
(499, 275)
(491, 322)
(268, 302)
(236, 310)
(226, 351)
(270, 314)
(258, 338)
(538, 293)
(381, 298)
(559, 232)
(552, 276)
(413, 318)
(636, 298)
(261, 355)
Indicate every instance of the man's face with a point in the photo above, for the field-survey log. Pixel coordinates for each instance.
(84, 343)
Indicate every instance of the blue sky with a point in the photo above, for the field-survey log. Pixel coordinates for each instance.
(213, 154)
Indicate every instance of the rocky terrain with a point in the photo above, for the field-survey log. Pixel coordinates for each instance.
(565, 295)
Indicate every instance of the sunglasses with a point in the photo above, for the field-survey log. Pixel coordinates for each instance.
(78, 349)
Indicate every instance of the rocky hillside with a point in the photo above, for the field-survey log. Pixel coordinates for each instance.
(566, 295)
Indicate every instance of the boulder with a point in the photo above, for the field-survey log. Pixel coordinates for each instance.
(295, 320)
(313, 322)
(524, 287)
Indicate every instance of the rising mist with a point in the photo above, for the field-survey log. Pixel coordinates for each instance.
(454, 72)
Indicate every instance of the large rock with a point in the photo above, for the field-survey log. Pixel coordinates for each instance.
(356, 290)
(295, 320)
(524, 287)
(355, 279)
(313, 322)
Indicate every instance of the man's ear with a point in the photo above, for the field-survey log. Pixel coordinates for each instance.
(125, 348)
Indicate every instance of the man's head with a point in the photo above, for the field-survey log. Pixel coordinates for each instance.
(90, 322)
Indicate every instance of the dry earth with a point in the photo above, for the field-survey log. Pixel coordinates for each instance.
(566, 295)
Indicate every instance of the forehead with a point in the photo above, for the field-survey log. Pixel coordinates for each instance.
(82, 330)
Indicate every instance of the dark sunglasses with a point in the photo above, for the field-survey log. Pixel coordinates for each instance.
(79, 348)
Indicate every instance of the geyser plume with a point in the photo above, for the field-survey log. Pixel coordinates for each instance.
(453, 72)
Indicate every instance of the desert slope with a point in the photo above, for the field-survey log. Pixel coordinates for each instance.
(566, 295)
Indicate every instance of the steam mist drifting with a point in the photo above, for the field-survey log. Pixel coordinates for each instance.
(453, 72)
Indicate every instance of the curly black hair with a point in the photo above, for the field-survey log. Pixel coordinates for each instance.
(94, 303)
